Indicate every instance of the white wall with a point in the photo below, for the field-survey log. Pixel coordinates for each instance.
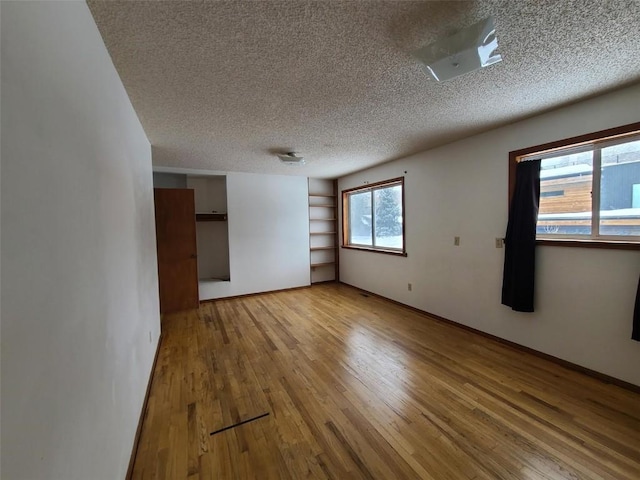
(268, 235)
(584, 298)
(80, 314)
(169, 180)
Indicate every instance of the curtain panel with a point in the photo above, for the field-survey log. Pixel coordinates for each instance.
(520, 241)
(635, 333)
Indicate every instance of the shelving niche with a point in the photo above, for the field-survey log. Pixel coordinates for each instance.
(323, 230)
(212, 232)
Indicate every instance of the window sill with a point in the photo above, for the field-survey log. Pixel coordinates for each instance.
(376, 250)
(588, 244)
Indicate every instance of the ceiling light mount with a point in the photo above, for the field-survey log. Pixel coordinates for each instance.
(291, 158)
(468, 50)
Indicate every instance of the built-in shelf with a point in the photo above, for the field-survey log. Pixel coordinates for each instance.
(322, 264)
(323, 246)
(211, 217)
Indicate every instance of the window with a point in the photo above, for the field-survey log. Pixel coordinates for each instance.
(373, 217)
(589, 188)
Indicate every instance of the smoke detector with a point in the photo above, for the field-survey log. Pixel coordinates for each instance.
(468, 50)
(290, 158)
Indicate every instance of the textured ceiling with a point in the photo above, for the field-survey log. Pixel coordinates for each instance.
(224, 85)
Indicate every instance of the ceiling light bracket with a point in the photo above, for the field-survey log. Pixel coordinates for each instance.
(468, 50)
(291, 158)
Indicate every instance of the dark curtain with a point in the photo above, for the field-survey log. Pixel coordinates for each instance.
(520, 242)
(635, 334)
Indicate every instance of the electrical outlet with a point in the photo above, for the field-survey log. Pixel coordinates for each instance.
(409, 286)
(499, 242)
(456, 241)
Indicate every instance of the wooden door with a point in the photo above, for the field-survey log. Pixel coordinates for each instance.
(176, 242)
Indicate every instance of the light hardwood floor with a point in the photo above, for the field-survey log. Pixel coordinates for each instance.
(358, 387)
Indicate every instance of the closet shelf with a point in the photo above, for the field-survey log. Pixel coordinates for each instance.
(322, 196)
(211, 217)
(324, 205)
(323, 219)
(322, 233)
(314, 249)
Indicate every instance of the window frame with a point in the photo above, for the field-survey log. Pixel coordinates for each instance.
(371, 187)
(607, 136)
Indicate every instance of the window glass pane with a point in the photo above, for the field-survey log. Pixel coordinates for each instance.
(360, 221)
(388, 217)
(565, 195)
(620, 190)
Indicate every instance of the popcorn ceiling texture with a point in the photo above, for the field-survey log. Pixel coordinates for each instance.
(224, 85)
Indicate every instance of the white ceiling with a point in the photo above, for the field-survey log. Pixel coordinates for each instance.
(224, 85)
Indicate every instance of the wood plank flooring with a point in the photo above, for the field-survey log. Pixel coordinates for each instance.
(358, 387)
